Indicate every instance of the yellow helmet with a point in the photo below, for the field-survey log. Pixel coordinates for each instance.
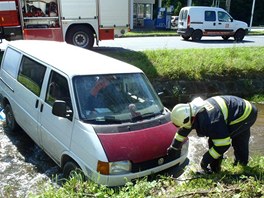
(182, 114)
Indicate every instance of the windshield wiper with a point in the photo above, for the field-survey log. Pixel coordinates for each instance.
(145, 116)
(112, 120)
(104, 120)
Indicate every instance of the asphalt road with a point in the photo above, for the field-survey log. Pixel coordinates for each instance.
(176, 42)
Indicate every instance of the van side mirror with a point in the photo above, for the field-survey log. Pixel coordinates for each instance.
(59, 108)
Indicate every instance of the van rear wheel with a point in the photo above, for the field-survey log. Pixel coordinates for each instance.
(239, 35)
(10, 119)
(225, 38)
(186, 38)
(197, 35)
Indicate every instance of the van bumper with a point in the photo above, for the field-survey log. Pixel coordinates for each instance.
(172, 168)
(175, 168)
(187, 32)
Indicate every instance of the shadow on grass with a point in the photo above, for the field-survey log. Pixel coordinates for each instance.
(136, 58)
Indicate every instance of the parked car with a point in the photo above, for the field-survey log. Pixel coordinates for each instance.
(174, 21)
(88, 111)
(196, 22)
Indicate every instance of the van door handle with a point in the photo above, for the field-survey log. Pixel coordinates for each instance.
(41, 107)
(219, 23)
(37, 103)
(214, 24)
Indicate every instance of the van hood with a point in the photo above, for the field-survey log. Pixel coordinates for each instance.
(241, 24)
(139, 145)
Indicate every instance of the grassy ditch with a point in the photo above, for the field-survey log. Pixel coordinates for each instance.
(233, 181)
(196, 64)
(221, 64)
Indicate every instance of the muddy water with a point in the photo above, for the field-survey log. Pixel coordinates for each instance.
(25, 168)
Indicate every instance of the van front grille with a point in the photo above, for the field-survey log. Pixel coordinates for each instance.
(137, 167)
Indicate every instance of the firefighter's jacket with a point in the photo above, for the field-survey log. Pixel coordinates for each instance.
(214, 120)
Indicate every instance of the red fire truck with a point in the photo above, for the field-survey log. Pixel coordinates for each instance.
(78, 22)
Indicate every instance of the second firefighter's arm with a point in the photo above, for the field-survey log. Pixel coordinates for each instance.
(179, 138)
(220, 146)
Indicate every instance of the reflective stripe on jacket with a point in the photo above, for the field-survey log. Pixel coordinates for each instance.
(225, 109)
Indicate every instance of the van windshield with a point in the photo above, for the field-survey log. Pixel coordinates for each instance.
(113, 99)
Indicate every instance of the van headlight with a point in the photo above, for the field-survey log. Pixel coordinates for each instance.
(114, 168)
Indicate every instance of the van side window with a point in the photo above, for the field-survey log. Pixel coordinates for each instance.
(11, 62)
(58, 89)
(31, 75)
(224, 17)
(209, 16)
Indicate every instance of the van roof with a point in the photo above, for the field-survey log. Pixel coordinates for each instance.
(202, 7)
(70, 59)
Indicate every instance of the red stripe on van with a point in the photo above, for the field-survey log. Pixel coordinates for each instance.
(140, 145)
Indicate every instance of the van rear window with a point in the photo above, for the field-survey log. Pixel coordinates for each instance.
(11, 62)
(183, 15)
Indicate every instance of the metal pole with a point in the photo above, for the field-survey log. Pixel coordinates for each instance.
(159, 3)
(252, 13)
(228, 3)
(189, 2)
(131, 14)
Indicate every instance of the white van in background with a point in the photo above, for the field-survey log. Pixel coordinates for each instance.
(88, 111)
(196, 21)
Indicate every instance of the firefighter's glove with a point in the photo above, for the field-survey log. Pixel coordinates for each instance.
(207, 159)
(216, 165)
(204, 166)
(174, 152)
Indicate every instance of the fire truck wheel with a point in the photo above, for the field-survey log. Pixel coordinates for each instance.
(80, 36)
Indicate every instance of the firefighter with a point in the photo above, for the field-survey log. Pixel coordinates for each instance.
(225, 120)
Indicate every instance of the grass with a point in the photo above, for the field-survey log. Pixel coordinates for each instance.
(196, 64)
(232, 181)
(258, 98)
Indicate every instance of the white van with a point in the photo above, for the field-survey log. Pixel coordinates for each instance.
(196, 21)
(88, 111)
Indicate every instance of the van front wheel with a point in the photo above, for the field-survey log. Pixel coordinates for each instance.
(10, 119)
(197, 35)
(239, 35)
(71, 169)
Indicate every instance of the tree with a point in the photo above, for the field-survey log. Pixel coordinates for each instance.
(239, 9)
